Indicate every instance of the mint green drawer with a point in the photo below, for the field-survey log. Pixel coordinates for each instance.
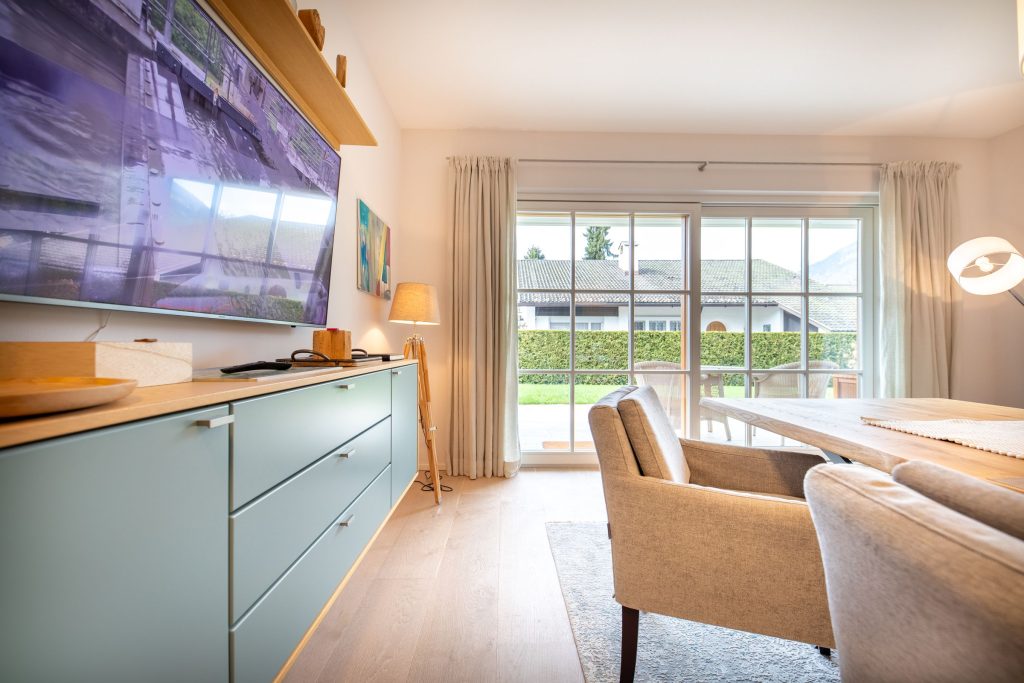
(270, 532)
(262, 641)
(275, 436)
(405, 433)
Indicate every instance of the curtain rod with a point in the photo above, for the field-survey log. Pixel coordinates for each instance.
(700, 164)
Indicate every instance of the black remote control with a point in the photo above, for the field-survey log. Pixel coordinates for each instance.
(258, 365)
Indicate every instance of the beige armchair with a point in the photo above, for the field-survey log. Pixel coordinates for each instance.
(925, 573)
(713, 533)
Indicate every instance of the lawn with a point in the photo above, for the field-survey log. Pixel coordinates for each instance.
(558, 394)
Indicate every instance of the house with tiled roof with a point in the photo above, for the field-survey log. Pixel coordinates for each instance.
(602, 302)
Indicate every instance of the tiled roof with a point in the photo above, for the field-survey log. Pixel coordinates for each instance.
(720, 275)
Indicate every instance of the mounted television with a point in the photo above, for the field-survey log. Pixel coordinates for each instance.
(147, 163)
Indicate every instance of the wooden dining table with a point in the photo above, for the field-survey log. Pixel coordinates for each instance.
(835, 426)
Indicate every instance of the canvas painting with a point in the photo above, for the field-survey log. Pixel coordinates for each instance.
(373, 270)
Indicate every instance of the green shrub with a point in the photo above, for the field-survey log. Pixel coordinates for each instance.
(607, 350)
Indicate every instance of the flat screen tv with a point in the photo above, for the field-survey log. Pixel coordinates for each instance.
(147, 163)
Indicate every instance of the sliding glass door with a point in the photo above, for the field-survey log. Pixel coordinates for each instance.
(785, 309)
(604, 294)
(737, 302)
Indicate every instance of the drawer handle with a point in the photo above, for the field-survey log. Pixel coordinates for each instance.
(396, 372)
(347, 454)
(346, 386)
(216, 422)
(347, 521)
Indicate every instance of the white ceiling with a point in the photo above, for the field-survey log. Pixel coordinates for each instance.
(844, 67)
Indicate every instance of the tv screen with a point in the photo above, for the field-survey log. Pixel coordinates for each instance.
(147, 163)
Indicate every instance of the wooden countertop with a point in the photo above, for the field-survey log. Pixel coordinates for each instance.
(834, 425)
(163, 400)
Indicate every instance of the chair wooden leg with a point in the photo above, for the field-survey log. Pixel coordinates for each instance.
(824, 651)
(630, 633)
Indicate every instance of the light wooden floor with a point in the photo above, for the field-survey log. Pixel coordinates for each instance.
(462, 592)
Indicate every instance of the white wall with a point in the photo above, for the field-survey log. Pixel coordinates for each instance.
(370, 173)
(1000, 318)
(987, 365)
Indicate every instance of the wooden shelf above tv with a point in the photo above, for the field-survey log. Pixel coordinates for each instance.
(272, 32)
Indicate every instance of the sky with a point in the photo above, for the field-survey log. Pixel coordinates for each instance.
(775, 240)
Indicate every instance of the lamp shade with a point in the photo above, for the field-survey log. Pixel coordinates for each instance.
(986, 265)
(415, 302)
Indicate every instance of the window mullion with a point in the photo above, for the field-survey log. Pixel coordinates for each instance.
(805, 284)
(572, 332)
(631, 299)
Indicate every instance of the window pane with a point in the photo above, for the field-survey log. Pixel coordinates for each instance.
(657, 345)
(543, 412)
(659, 247)
(723, 322)
(543, 331)
(543, 250)
(779, 345)
(671, 391)
(723, 251)
(776, 255)
(244, 221)
(833, 252)
(715, 425)
(832, 342)
(602, 251)
(605, 347)
(589, 390)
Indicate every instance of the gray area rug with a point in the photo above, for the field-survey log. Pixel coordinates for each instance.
(670, 649)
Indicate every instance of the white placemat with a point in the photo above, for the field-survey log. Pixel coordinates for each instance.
(1005, 437)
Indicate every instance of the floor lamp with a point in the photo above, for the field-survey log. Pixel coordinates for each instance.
(987, 265)
(415, 303)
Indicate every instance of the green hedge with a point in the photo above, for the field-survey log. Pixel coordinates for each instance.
(600, 350)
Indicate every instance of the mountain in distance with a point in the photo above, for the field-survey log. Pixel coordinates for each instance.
(838, 268)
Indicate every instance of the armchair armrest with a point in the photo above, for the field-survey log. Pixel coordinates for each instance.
(738, 560)
(748, 469)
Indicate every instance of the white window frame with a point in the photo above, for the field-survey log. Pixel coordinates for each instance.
(691, 297)
(691, 236)
(866, 311)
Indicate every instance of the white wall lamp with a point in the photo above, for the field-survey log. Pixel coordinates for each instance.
(987, 265)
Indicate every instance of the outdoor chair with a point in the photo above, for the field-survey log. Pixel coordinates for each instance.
(771, 384)
(669, 390)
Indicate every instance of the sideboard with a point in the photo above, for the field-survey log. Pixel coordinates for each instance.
(199, 544)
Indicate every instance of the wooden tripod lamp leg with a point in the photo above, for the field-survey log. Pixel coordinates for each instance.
(415, 348)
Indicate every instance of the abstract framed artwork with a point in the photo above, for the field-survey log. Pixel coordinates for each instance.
(373, 264)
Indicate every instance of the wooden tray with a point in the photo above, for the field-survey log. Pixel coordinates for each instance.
(38, 395)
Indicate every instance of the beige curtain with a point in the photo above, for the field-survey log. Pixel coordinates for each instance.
(484, 430)
(918, 207)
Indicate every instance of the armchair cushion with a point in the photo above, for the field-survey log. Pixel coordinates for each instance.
(993, 505)
(760, 470)
(655, 443)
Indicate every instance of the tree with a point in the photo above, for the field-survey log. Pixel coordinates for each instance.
(598, 246)
(534, 253)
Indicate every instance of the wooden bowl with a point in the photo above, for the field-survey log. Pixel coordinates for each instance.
(39, 395)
